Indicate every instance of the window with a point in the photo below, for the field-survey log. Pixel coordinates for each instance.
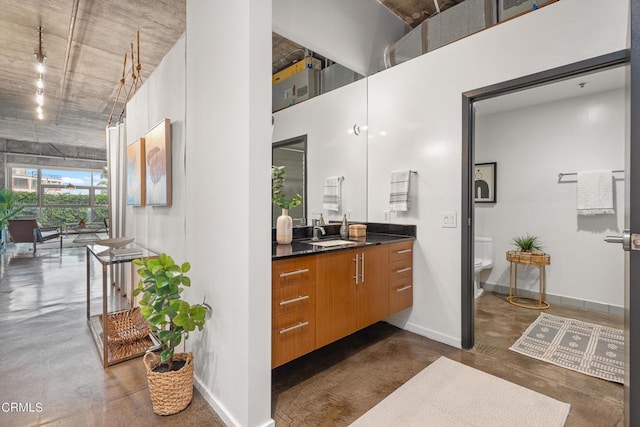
(57, 196)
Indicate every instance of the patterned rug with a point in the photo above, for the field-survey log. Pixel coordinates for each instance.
(580, 346)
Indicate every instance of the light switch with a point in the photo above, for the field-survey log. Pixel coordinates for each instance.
(449, 220)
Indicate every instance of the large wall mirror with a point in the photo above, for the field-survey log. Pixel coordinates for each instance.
(292, 154)
(321, 136)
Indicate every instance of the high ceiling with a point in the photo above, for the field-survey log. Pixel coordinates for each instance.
(102, 35)
(95, 36)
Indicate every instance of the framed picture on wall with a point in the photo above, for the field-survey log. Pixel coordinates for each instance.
(158, 164)
(135, 174)
(484, 182)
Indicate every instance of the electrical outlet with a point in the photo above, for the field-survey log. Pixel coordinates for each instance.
(449, 220)
(349, 212)
(386, 216)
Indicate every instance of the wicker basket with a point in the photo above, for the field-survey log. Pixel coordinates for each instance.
(171, 392)
(127, 333)
(532, 258)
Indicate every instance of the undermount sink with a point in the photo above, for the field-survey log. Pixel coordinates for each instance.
(329, 243)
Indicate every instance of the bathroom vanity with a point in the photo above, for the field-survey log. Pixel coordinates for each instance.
(323, 293)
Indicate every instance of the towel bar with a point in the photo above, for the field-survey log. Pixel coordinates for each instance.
(562, 174)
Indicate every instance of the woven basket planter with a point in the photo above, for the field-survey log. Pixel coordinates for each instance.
(171, 392)
(532, 257)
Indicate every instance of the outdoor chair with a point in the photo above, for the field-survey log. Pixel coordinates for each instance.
(27, 230)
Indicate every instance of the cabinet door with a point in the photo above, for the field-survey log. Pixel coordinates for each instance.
(292, 335)
(335, 296)
(400, 276)
(373, 285)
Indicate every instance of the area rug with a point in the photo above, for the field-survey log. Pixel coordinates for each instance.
(580, 346)
(448, 393)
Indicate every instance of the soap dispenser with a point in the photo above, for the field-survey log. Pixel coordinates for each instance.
(344, 228)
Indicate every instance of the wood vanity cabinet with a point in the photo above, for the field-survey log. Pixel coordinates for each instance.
(353, 291)
(293, 321)
(400, 276)
(318, 299)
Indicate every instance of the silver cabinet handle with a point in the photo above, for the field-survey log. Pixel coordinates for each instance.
(362, 268)
(403, 289)
(356, 259)
(293, 273)
(289, 301)
(402, 270)
(404, 251)
(294, 327)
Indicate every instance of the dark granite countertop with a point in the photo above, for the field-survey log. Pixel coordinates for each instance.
(381, 234)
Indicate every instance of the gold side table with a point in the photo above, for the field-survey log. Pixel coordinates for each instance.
(539, 259)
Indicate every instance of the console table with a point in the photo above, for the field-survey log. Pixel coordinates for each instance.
(539, 259)
(107, 256)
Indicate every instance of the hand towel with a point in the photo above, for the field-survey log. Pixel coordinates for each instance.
(331, 196)
(595, 192)
(399, 193)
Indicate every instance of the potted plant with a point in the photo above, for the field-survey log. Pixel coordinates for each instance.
(527, 243)
(171, 318)
(529, 250)
(284, 224)
(8, 210)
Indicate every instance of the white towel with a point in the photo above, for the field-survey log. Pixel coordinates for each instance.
(399, 193)
(595, 192)
(331, 196)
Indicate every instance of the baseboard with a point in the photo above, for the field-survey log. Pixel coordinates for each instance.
(425, 332)
(219, 408)
(557, 299)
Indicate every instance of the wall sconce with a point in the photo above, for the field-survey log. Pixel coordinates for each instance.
(40, 69)
(357, 128)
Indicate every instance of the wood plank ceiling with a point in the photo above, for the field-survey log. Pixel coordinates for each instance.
(77, 108)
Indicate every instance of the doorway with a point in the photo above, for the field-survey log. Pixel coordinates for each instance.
(469, 152)
(535, 141)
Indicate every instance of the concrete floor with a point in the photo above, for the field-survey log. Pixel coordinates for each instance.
(49, 359)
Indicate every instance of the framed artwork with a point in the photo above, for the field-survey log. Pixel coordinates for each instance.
(135, 174)
(484, 182)
(158, 164)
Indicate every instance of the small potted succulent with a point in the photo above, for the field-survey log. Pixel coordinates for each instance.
(527, 243)
(170, 318)
(529, 250)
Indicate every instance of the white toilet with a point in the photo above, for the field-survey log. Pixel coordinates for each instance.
(483, 260)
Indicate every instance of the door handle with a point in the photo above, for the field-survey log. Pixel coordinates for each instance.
(628, 240)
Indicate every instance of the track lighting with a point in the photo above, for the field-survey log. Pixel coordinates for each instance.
(40, 68)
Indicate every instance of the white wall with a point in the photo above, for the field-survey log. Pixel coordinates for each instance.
(531, 146)
(162, 95)
(415, 122)
(353, 33)
(333, 149)
(228, 202)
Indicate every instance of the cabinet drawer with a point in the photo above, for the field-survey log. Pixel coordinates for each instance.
(400, 294)
(292, 334)
(401, 269)
(401, 250)
(292, 271)
(292, 298)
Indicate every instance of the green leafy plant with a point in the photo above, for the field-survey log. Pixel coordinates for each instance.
(8, 207)
(277, 182)
(170, 317)
(527, 243)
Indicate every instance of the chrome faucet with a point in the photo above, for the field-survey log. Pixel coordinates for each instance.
(316, 227)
